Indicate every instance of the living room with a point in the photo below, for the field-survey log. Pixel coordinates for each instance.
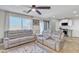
(39, 29)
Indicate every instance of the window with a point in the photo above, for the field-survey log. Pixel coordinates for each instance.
(19, 23)
(46, 25)
(27, 23)
(14, 23)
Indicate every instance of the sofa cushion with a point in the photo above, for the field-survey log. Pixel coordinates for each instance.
(50, 43)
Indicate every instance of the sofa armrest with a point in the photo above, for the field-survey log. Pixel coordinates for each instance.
(59, 45)
(5, 42)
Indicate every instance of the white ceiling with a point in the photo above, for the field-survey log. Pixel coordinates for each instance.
(56, 11)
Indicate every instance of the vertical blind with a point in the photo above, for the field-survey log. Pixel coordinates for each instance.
(19, 23)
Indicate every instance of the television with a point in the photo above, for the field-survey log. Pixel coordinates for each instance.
(64, 24)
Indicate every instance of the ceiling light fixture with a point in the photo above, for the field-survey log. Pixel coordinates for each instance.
(76, 15)
(74, 12)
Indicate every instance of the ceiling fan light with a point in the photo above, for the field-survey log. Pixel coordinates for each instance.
(33, 9)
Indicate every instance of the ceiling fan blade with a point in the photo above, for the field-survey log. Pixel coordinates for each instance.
(38, 12)
(29, 11)
(43, 7)
(26, 6)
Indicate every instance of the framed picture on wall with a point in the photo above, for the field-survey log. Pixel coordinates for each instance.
(35, 22)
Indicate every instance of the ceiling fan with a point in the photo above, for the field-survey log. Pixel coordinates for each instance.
(34, 8)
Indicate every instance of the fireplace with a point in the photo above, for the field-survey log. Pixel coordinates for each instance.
(65, 31)
(65, 25)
